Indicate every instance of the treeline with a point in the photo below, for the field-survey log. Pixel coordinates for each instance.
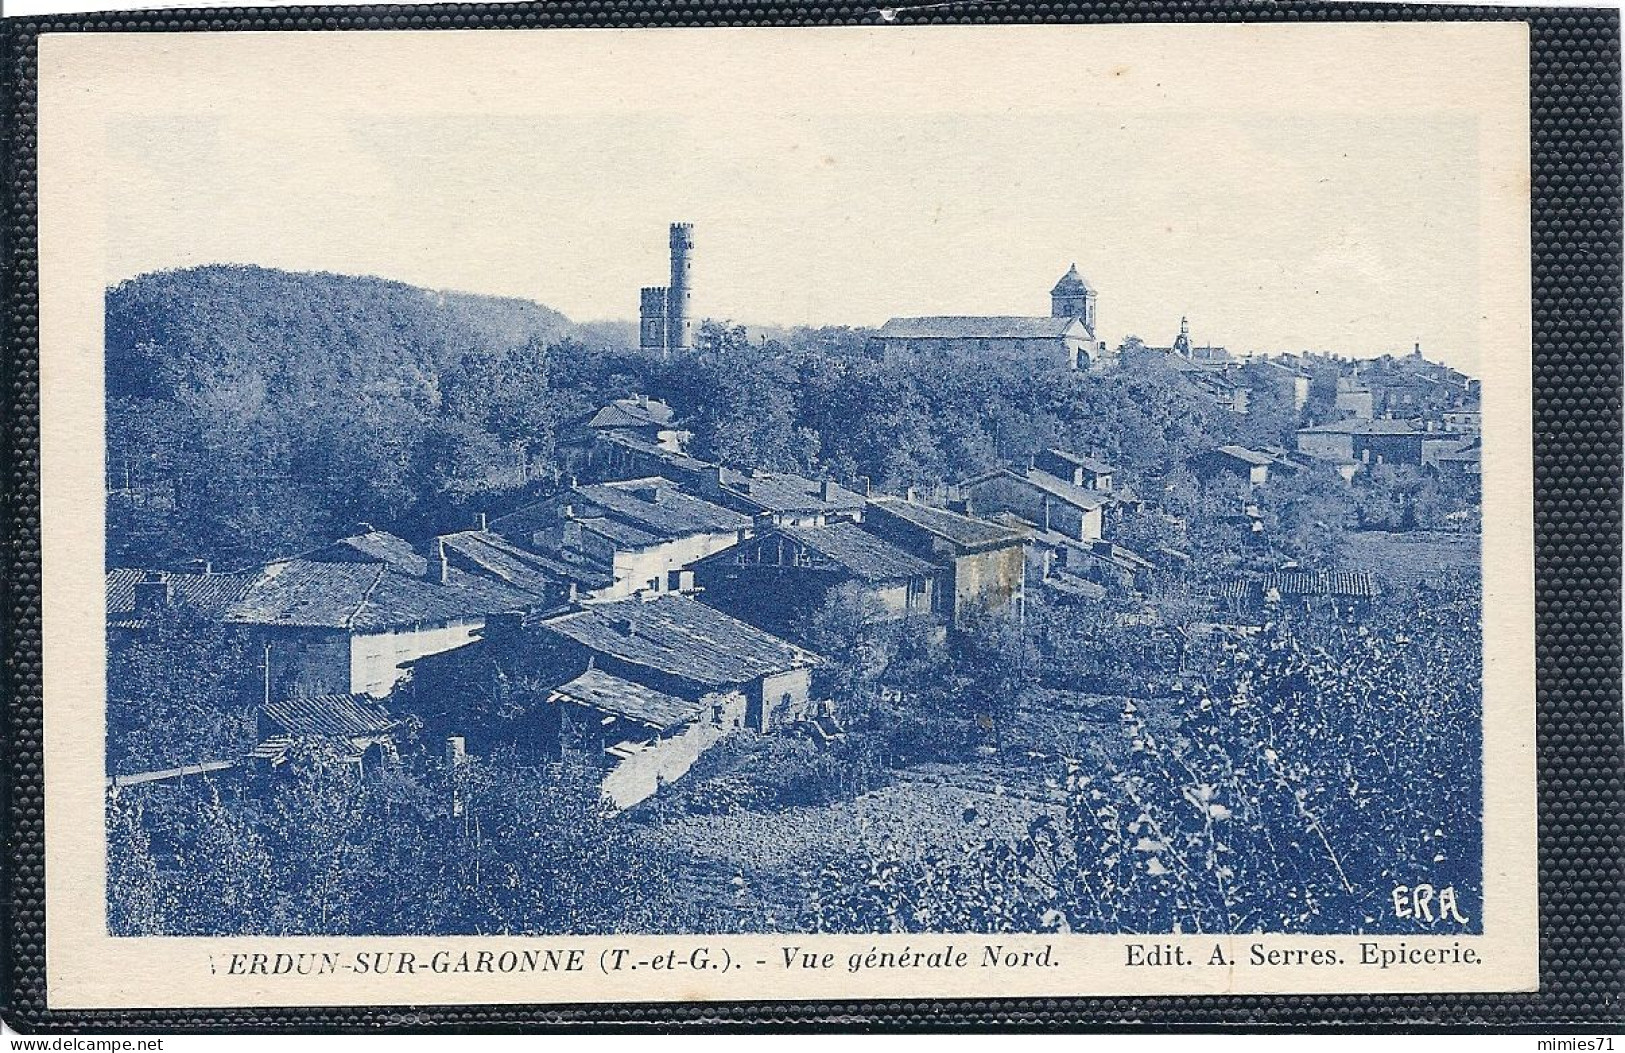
(255, 412)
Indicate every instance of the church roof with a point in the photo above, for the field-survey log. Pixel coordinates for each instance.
(980, 327)
(1072, 283)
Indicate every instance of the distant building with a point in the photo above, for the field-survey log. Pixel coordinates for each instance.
(780, 577)
(982, 563)
(1353, 398)
(644, 532)
(611, 441)
(665, 312)
(1381, 441)
(643, 738)
(1048, 504)
(373, 546)
(1065, 339)
(1252, 465)
(1088, 472)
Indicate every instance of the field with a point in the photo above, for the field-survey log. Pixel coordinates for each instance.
(1408, 558)
(766, 860)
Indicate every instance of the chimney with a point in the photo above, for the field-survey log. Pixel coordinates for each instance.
(909, 495)
(624, 626)
(503, 626)
(826, 490)
(153, 595)
(861, 485)
(643, 401)
(480, 522)
(445, 564)
(714, 476)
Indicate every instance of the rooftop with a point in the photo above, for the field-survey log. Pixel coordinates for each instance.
(961, 530)
(857, 551)
(330, 716)
(379, 546)
(207, 595)
(366, 596)
(638, 411)
(1322, 583)
(788, 492)
(656, 506)
(681, 637)
(1242, 453)
(1072, 283)
(610, 694)
(494, 556)
(981, 327)
(1092, 464)
(1060, 489)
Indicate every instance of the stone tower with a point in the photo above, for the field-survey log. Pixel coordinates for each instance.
(679, 320)
(1073, 297)
(652, 319)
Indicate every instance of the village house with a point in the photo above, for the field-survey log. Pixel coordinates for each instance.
(350, 628)
(371, 545)
(1041, 500)
(588, 442)
(983, 563)
(1463, 462)
(646, 532)
(1090, 473)
(778, 578)
(1254, 466)
(643, 738)
(1380, 441)
(740, 675)
(324, 628)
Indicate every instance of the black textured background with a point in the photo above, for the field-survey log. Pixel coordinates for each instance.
(1576, 216)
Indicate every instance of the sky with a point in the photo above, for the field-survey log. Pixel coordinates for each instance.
(837, 182)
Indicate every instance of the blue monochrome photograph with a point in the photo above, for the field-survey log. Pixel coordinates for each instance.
(861, 525)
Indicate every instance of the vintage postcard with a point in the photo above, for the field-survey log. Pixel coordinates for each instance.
(610, 515)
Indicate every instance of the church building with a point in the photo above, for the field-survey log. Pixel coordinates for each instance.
(1065, 338)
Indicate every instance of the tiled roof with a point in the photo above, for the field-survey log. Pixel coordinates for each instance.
(621, 535)
(1076, 496)
(1092, 464)
(1357, 426)
(399, 601)
(655, 505)
(677, 460)
(207, 595)
(1242, 453)
(861, 553)
(366, 596)
(633, 413)
(496, 557)
(1072, 283)
(979, 327)
(681, 637)
(330, 716)
(961, 530)
(1322, 583)
(610, 694)
(378, 546)
(299, 592)
(788, 492)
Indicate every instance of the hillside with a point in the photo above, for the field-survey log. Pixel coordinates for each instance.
(254, 410)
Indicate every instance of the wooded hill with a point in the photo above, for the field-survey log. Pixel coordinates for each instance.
(252, 411)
